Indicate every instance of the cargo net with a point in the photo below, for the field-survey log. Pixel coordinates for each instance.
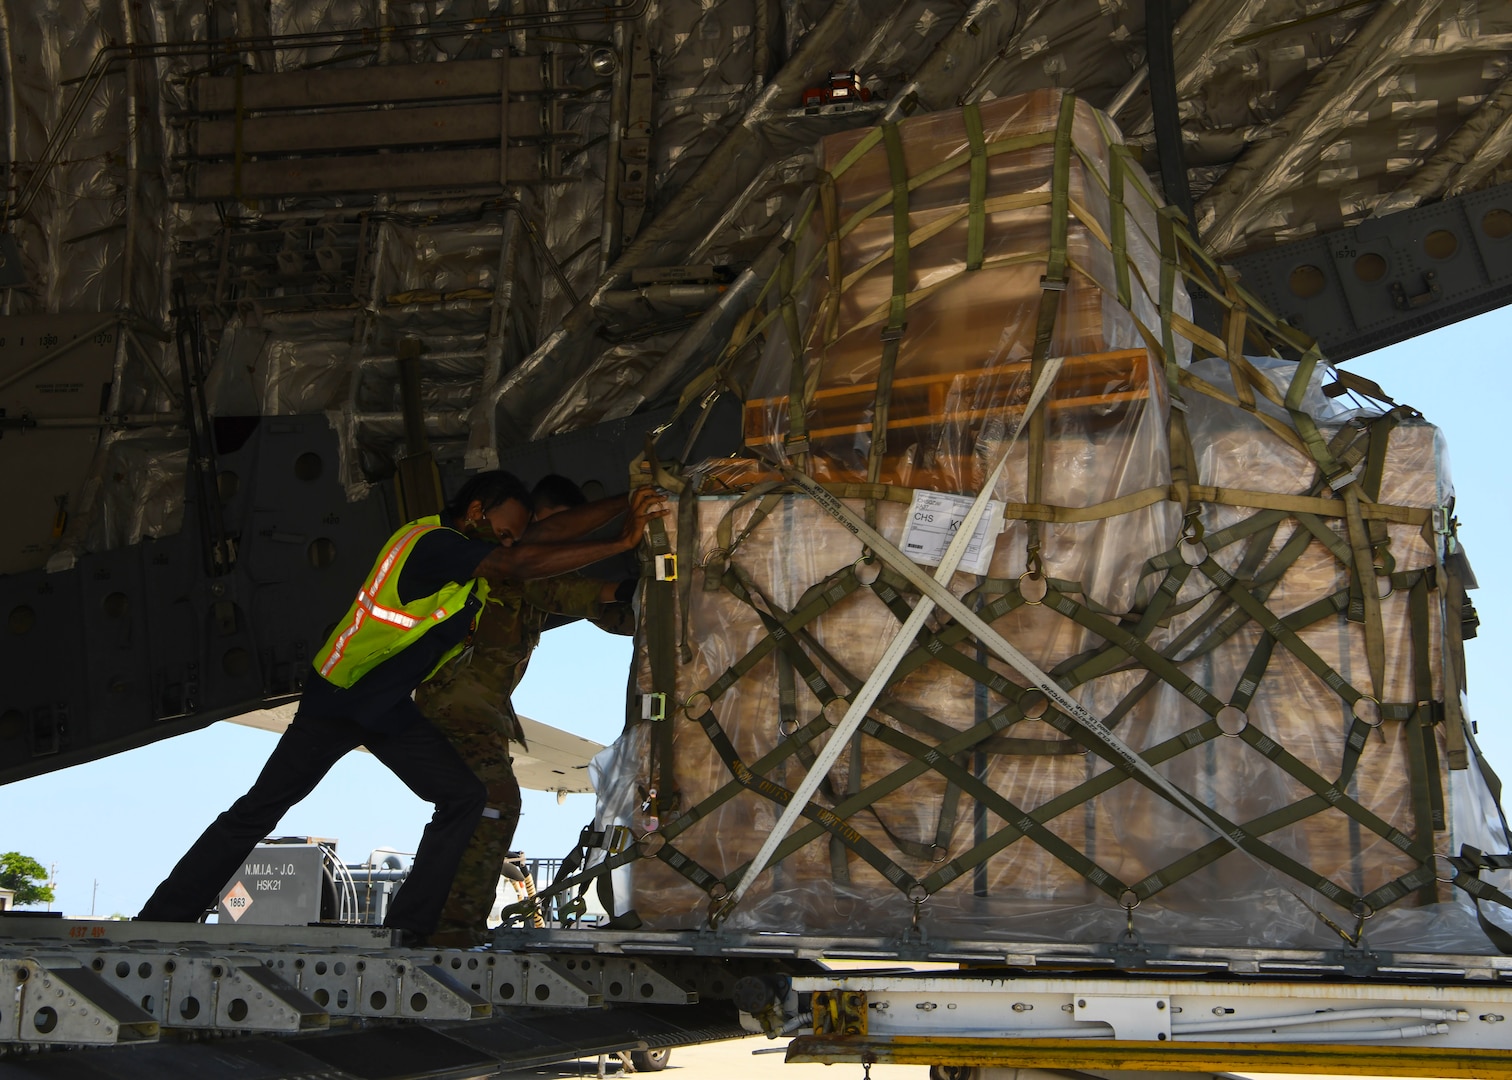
(1205, 683)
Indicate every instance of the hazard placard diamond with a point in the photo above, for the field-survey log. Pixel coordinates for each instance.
(237, 901)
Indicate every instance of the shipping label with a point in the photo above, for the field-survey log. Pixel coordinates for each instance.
(934, 517)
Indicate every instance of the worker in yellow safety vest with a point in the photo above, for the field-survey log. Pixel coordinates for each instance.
(415, 611)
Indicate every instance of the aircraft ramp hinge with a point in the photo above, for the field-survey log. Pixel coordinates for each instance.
(59, 1002)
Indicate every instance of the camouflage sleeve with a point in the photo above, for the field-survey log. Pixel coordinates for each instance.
(617, 619)
(569, 594)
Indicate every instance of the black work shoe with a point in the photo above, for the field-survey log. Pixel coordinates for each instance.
(409, 939)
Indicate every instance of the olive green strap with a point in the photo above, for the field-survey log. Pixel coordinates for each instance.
(1427, 791)
(795, 443)
(892, 333)
(834, 269)
(687, 548)
(976, 227)
(1365, 579)
(1169, 257)
(1053, 284)
(717, 561)
(1468, 866)
(661, 648)
(1118, 213)
(1052, 289)
(1183, 471)
(1457, 734)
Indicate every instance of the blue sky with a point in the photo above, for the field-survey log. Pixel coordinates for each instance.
(125, 820)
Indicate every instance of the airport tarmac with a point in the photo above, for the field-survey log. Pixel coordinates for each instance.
(756, 1058)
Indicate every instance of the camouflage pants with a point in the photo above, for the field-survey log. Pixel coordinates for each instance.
(467, 710)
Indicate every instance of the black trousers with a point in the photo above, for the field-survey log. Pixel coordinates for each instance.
(419, 755)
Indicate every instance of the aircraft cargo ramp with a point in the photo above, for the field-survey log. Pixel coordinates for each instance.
(121, 1000)
(110, 999)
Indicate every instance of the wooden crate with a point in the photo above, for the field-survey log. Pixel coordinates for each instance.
(1108, 381)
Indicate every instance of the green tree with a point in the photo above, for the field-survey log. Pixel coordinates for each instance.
(26, 877)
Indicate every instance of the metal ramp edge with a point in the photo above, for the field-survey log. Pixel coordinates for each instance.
(519, 1039)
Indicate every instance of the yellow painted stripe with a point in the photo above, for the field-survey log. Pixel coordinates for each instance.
(1381, 1059)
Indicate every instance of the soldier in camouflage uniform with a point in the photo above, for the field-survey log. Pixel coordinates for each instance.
(469, 701)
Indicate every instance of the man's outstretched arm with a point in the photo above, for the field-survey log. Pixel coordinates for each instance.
(533, 559)
(574, 523)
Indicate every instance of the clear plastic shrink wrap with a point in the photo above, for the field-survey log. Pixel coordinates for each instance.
(1224, 637)
(968, 329)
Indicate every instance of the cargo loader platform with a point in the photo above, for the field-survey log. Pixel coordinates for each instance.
(1126, 1005)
